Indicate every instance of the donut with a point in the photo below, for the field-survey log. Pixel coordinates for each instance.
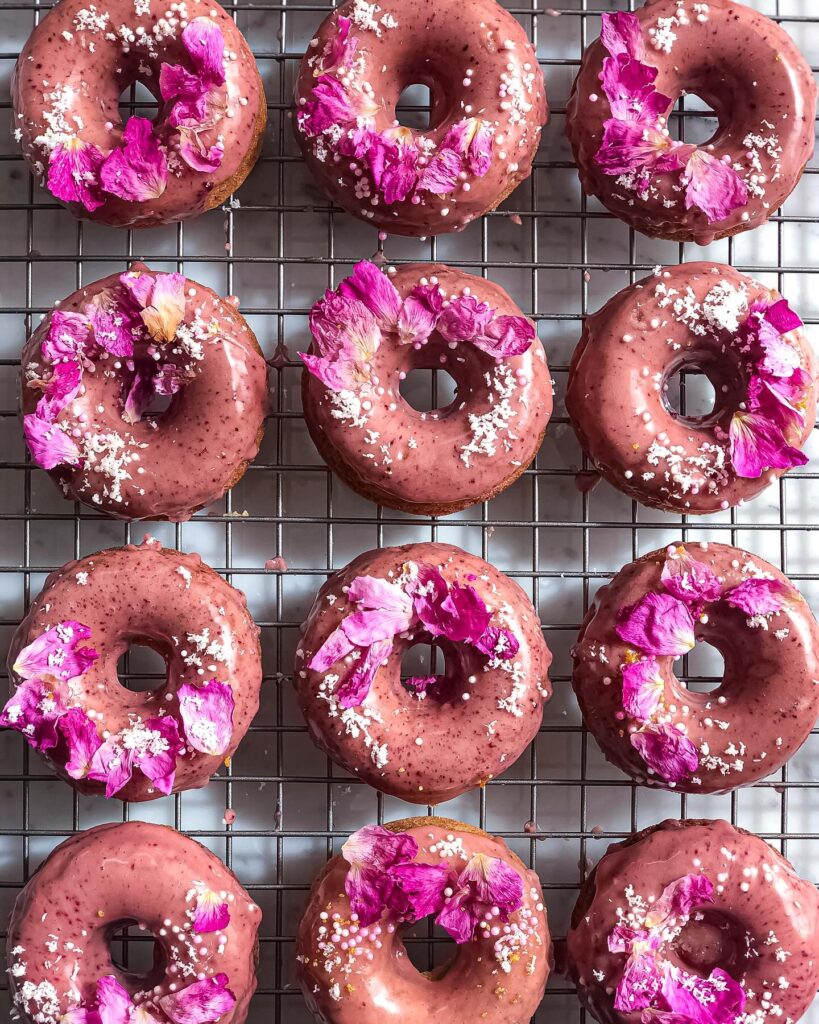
(655, 610)
(94, 370)
(488, 108)
(744, 66)
(425, 739)
(70, 705)
(374, 330)
(695, 921)
(352, 963)
(703, 318)
(97, 882)
(199, 148)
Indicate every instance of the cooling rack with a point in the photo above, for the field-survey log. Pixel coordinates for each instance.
(277, 245)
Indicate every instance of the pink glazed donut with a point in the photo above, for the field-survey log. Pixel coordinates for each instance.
(199, 148)
(695, 921)
(744, 66)
(70, 705)
(488, 109)
(706, 318)
(94, 369)
(430, 738)
(374, 330)
(97, 882)
(352, 962)
(654, 611)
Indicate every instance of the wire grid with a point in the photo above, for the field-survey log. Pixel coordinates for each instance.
(277, 246)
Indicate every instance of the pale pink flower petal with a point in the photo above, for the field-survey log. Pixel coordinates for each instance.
(665, 750)
(416, 322)
(113, 765)
(440, 175)
(688, 579)
(340, 51)
(717, 999)
(335, 647)
(137, 170)
(329, 105)
(49, 445)
(82, 740)
(506, 336)
(80, 1015)
(373, 288)
(353, 689)
(56, 653)
(139, 397)
(642, 689)
(621, 33)
(161, 298)
(713, 186)
(658, 624)
(34, 710)
(211, 914)
(472, 139)
(114, 1004)
(632, 146)
(113, 328)
(485, 883)
(759, 435)
(463, 319)
(368, 626)
(678, 899)
(196, 153)
(335, 374)
(758, 596)
(203, 1002)
(73, 173)
(370, 853)
(207, 716)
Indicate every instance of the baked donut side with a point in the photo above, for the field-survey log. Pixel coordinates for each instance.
(488, 107)
(705, 318)
(697, 918)
(350, 950)
(654, 611)
(96, 367)
(70, 705)
(203, 142)
(748, 70)
(203, 923)
(370, 333)
(431, 738)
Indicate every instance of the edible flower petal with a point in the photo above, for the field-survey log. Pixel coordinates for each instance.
(158, 762)
(151, 746)
(114, 1004)
(758, 596)
(759, 435)
(34, 710)
(211, 913)
(354, 688)
(207, 716)
(373, 288)
(416, 322)
(140, 395)
(621, 33)
(471, 137)
(384, 610)
(113, 327)
(678, 899)
(440, 175)
(82, 740)
(112, 764)
(205, 43)
(633, 146)
(463, 319)
(137, 170)
(485, 883)
(203, 1002)
(341, 49)
(713, 186)
(67, 336)
(643, 688)
(498, 643)
(717, 999)
(431, 296)
(56, 654)
(506, 336)
(629, 88)
(665, 750)
(61, 388)
(335, 647)
(161, 298)
(370, 853)
(196, 153)
(417, 890)
(688, 579)
(74, 171)
(640, 982)
(400, 174)
(329, 105)
(49, 445)
(658, 624)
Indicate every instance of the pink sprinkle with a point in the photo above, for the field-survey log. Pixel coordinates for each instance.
(276, 564)
(229, 816)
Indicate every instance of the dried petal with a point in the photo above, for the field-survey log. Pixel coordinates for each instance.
(137, 170)
(73, 173)
(113, 326)
(371, 852)
(665, 750)
(713, 186)
(688, 579)
(759, 435)
(158, 760)
(161, 298)
(335, 647)
(204, 41)
(440, 176)
(49, 445)
(758, 596)
(417, 890)
(56, 654)
(207, 716)
(212, 912)
(82, 740)
(203, 1002)
(621, 33)
(633, 146)
(658, 624)
(330, 104)
(643, 688)
(717, 999)
(384, 610)
(34, 710)
(196, 153)
(114, 1004)
(353, 689)
(416, 322)
(67, 336)
(463, 319)
(639, 983)
(498, 643)
(373, 288)
(485, 883)
(678, 899)
(506, 336)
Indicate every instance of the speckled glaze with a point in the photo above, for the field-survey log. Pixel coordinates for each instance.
(754, 721)
(439, 43)
(111, 876)
(748, 69)
(420, 462)
(464, 742)
(97, 66)
(615, 397)
(759, 899)
(157, 597)
(194, 451)
(471, 987)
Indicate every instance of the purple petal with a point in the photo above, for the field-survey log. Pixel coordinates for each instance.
(113, 765)
(341, 49)
(140, 395)
(463, 319)
(459, 917)
(758, 596)
(782, 318)
(498, 643)
(639, 983)
(61, 388)
(188, 91)
(197, 154)
(429, 295)
(678, 899)
(485, 883)
(665, 750)
(82, 740)
(717, 999)
(34, 710)
(207, 716)
(114, 1005)
(157, 760)
(329, 105)
(374, 289)
(440, 176)
(366, 627)
(464, 616)
(137, 170)
(355, 686)
(73, 173)
(418, 890)
(759, 435)
(632, 146)
(689, 580)
(629, 88)
(203, 1002)
(335, 647)
(169, 378)
(49, 445)
(400, 175)
(55, 654)
(335, 374)
(657, 624)
(642, 689)
(713, 186)
(211, 913)
(506, 336)
(621, 33)
(479, 154)
(67, 336)
(113, 328)
(416, 322)
(420, 684)
(203, 40)
(371, 852)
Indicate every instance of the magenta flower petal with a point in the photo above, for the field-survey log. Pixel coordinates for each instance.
(335, 647)
(197, 154)
(203, 1002)
(665, 750)
(440, 176)
(374, 289)
(366, 627)
(629, 88)
(420, 684)
(400, 175)
(678, 899)
(464, 617)
(114, 1004)
(207, 716)
(717, 999)
(204, 41)
(80, 1015)
(463, 319)
(633, 146)
(335, 374)
(113, 328)
(415, 322)
(639, 983)
(429, 295)
(157, 759)
(621, 33)
(138, 169)
(355, 686)
(498, 643)
(34, 710)
(73, 173)
(642, 689)
(49, 445)
(713, 186)
(61, 388)
(688, 579)
(479, 154)
(658, 624)
(211, 913)
(82, 740)
(112, 764)
(341, 49)
(758, 436)
(67, 336)
(782, 318)
(758, 596)
(418, 890)
(506, 336)
(371, 853)
(329, 105)
(484, 883)
(161, 298)
(56, 654)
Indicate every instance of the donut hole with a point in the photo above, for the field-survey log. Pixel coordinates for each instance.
(142, 668)
(703, 669)
(428, 390)
(137, 100)
(694, 120)
(414, 107)
(429, 949)
(690, 395)
(711, 939)
(423, 659)
(136, 953)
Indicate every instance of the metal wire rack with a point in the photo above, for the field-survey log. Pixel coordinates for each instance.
(277, 245)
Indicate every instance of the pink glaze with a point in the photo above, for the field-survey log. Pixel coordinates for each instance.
(82, 57)
(477, 62)
(498, 979)
(432, 749)
(688, 316)
(169, 601)
(448, 459)
(112, 876)
(761, 928)
(168, 465)
(766, 704)
(749, 71)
